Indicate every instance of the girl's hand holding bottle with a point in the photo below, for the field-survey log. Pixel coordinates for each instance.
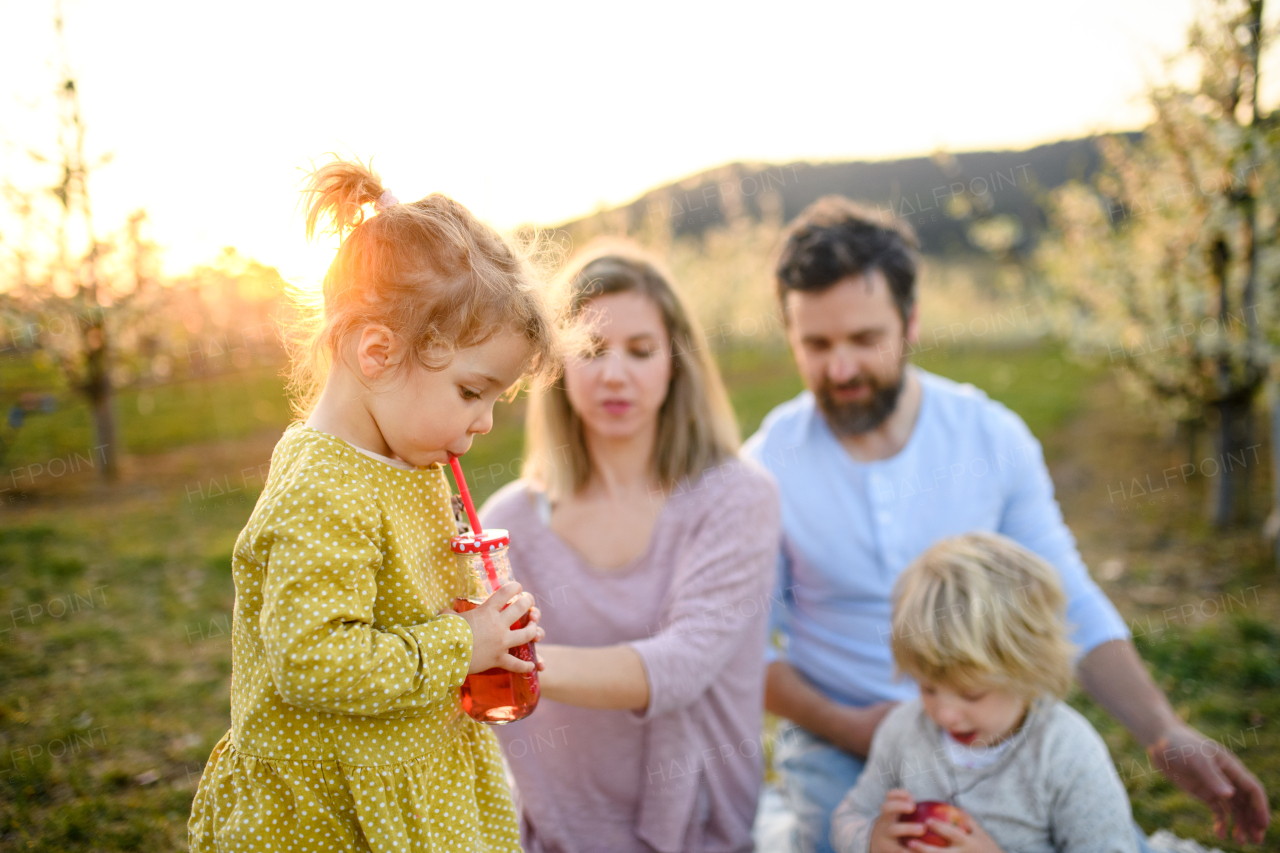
(492, 634)
(500, 687)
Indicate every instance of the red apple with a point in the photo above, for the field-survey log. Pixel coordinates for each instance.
(936, 810)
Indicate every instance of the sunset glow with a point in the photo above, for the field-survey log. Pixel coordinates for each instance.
(211, 136)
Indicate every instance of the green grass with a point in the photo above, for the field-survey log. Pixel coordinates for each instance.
(108, 672)
(150, 420)
(1041, 384)
(1224, 677)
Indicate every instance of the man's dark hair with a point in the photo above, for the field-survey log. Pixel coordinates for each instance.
(835, 238)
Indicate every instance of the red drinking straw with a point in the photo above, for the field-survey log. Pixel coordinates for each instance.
(470, 507)
(466, 494)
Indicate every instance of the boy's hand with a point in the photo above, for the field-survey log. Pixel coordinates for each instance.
(491, 629)
(960, 841)
(887, 835)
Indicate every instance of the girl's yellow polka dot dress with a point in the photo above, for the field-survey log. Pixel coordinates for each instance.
(346, 732)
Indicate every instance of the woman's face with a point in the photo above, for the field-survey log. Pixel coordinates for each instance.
(618, 386)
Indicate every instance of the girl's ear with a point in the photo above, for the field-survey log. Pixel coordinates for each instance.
(377, 351)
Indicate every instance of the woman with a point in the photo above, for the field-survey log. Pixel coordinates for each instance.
(651, 550)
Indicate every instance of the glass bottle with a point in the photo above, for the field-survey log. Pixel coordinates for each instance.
(495, 695)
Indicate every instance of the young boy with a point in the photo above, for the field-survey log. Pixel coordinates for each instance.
(978, 623)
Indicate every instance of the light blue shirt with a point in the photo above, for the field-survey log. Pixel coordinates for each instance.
(850, 528)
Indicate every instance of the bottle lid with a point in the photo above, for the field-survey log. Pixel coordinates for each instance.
(489, 540)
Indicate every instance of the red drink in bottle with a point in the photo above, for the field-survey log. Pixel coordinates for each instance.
(495, 695)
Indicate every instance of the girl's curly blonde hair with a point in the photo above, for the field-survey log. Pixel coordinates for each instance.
(431, 272)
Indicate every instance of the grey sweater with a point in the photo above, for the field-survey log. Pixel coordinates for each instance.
(1054, 790)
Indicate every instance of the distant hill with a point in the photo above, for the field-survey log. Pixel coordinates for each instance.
(936, 195)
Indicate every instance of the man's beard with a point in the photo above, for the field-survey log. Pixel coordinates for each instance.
(858, 418)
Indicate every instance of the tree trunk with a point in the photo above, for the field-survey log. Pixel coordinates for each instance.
(97, 388)
(1186, 432)
(1273, 523)
(1234, 457)
(104, 429)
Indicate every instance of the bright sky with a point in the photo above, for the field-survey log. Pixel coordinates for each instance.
(542, 112)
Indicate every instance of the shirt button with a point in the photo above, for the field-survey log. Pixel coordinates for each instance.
(884, 517)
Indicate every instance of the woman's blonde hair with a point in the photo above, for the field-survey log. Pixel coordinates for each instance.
(431, 272)
(696, 425)
(980, 611)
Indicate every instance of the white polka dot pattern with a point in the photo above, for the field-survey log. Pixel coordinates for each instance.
(346, 732)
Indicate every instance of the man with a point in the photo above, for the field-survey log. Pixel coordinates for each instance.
(877, 461)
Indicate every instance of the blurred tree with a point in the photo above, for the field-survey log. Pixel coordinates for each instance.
(222, 316)
(63, 305)
(92, 302)
(1168, 262)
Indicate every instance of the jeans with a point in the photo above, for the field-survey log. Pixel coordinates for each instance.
(815, 777)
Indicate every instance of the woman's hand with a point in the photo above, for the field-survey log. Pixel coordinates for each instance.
(958, 840)
(491, 630)
(607, 678)
(887, 835)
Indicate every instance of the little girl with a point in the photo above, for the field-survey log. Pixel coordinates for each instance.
(977, 622)
(346, 731)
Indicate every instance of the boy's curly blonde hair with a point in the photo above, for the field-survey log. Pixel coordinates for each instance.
(428, 270)
(979, 611)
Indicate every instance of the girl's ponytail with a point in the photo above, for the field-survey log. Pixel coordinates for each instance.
(339, 191)
(427, 269)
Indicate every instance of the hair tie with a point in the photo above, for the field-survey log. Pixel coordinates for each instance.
(385, 200)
